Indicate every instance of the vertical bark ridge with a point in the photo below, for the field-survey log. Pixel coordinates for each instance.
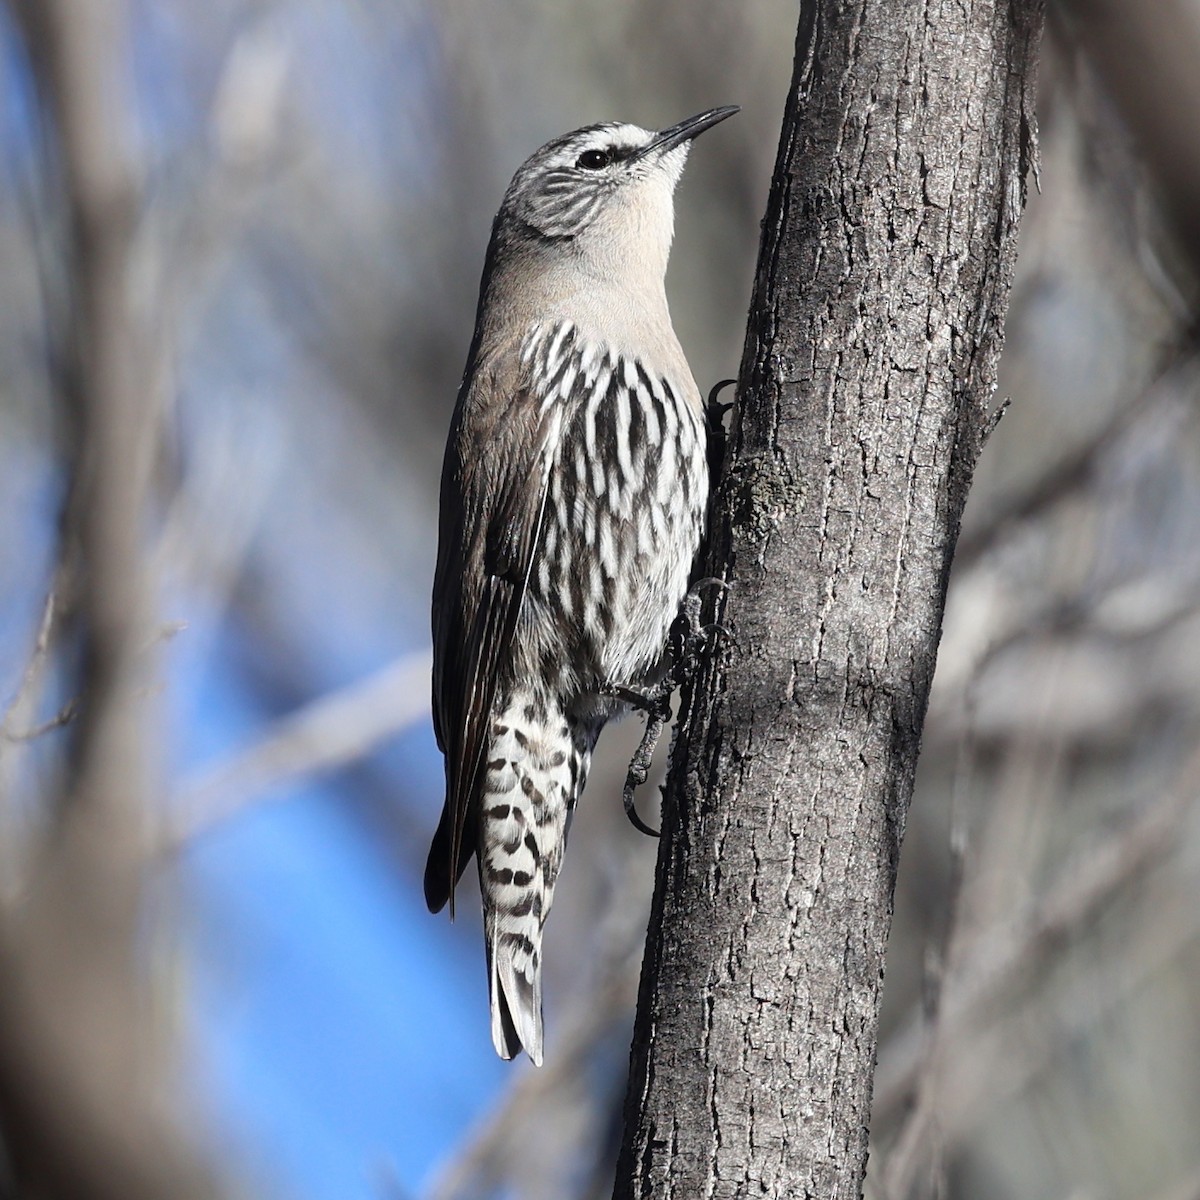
(870, 361)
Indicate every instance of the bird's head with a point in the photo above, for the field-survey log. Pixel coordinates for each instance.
(603, 195)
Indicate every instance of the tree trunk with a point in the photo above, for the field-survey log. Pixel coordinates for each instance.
(870, 362)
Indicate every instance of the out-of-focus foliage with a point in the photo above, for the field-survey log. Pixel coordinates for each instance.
(319, 181)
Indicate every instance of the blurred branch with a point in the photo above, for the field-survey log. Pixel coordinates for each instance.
(23, 705)
(1187, 1188)
(1147, 54)
(80, 1106)
(1007, 1060)
(1002, 958)
(16, 729)
(1070, 473)
(1008, 1054)
(247, 152)
(900, 1165)
(328, 733)
(1098, 620)
(64, 716)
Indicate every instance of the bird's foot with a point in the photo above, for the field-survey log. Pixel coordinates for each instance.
(715, 408)
(655, 702)
(715, 411)
(687, 641)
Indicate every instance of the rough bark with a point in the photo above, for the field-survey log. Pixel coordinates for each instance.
(870, 363)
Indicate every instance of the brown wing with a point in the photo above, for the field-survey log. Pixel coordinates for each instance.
(492, 503)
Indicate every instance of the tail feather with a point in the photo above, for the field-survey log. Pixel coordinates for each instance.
(536, 765)
(515, 988)
(441, 875)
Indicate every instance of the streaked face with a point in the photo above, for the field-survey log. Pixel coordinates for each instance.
(563, 188)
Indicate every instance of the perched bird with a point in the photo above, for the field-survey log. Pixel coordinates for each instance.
(573, 495)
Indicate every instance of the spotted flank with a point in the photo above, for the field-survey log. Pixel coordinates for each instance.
(537, 763)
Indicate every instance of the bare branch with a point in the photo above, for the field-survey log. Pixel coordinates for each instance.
(918, 1129)
(80, 1105)
(25, 700)
(1008, 1054)
(1069, 474)
(330, 732)
(1147, 55)
(1186, 1188)
(64, 716)
(1002, 958)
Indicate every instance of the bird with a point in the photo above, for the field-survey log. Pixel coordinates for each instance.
(573, 494)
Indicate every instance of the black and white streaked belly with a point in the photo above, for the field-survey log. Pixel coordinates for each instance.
(625, 499)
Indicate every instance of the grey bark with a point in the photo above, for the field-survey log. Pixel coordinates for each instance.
(875, 330)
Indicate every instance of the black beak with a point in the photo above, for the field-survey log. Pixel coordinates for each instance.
(668, 139)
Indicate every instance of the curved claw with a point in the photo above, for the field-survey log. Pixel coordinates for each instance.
(631, 696)
(632, 813)
(716, 390)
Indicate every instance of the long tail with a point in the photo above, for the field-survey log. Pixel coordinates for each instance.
(537, 764)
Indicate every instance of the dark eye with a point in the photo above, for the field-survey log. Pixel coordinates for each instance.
(593, 160)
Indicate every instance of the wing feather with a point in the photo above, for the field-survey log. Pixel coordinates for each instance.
(502, 444)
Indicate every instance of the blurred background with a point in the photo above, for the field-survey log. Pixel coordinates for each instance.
(314, 183)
